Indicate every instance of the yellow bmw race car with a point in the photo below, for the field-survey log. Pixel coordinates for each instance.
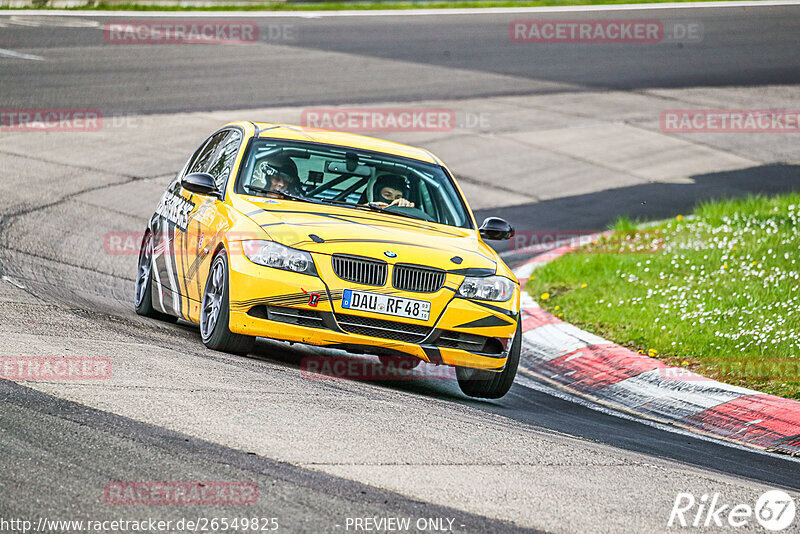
(337, 240)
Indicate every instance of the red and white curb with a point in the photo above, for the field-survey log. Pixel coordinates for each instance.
(596, 369)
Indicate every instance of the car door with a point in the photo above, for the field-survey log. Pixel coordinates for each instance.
(168, 225)
(205, 226)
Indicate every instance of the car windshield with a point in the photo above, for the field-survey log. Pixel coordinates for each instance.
(354, 178)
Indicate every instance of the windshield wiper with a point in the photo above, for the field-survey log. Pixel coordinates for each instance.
(283, 194)
(338, 202)
(371, 206)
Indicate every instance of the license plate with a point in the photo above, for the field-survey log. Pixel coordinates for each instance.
(386, 304)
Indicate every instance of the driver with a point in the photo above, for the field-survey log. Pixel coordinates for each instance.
(278, 174)
(391, 190)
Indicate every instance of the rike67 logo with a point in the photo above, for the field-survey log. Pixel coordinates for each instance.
(774, 511)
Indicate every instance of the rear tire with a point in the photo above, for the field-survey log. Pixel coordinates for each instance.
(215, 312)
(491, 385)
(143, 297)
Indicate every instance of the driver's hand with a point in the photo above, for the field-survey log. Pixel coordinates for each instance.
(404, 202)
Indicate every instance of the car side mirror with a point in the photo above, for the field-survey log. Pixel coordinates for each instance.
(496, 229)
(201, 183)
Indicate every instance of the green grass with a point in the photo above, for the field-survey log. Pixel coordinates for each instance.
(625, 224)
(718, 293)
(335, 6)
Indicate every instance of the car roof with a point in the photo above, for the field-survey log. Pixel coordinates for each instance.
(344, 139)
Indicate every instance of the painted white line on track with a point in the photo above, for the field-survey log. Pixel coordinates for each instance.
(13, 282)
(404, 12)
(19, 55)
(62, 22)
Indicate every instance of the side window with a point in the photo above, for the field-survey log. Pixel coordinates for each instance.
(222, 162)
(187, 169)
(201, 162)
(218, 156)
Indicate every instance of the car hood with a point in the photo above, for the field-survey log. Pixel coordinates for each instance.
(329, 229)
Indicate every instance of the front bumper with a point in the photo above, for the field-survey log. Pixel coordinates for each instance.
(294, 307)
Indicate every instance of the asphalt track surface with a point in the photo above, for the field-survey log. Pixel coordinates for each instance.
(57, 452)
(740, 46)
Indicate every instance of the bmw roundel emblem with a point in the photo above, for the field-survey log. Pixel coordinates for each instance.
(390, 254)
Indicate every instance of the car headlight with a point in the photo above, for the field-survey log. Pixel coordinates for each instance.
(496, 288)
(272, 254)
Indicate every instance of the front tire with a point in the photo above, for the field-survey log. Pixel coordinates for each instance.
(491, 385)
(215, 312)
(143, 297)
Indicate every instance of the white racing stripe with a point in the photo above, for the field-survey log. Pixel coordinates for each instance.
(19, 55)
(526, 301)
(652, 394)
(554, 340)
(523, 272)
(406, 12)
